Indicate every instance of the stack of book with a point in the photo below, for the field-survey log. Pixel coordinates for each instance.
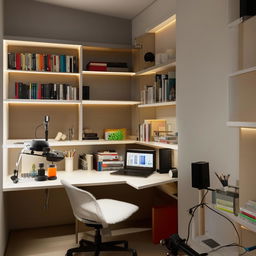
(108, 161)
(45, 91)
(42, 62)
(149, 127)
(107, 66)
(227, 201)
(248, 212)
(163, 90)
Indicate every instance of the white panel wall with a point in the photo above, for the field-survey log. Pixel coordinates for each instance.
(159, 11)
(202, 103)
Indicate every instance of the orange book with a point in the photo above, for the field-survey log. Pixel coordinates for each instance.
(156, 125)
(41, 62)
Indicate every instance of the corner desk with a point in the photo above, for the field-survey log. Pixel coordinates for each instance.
(83, 178)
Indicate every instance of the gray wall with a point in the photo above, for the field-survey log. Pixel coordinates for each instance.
(28, 18)
(3, 230)
(202, 104)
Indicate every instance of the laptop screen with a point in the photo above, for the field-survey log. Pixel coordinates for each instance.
(140, 159)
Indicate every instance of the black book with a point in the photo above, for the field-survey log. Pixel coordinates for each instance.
(34, 61)
(75, 65)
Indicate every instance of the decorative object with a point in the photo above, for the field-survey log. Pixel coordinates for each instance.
(115, 134)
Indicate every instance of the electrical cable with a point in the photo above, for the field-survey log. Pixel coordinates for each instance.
(37, 129)
(229, 245)
(239, 240)
(192, 212)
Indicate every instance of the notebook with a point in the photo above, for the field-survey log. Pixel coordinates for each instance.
(138, 162)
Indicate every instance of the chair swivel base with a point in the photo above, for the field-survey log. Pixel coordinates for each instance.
(99, 246)
(88, 246)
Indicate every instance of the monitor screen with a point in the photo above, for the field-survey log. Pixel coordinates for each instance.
(140, 159)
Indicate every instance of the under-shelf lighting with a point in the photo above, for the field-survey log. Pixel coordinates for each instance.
(163, 25)
(22, 102)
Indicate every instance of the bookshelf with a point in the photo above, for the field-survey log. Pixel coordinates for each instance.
(242, 109)
(113, 101)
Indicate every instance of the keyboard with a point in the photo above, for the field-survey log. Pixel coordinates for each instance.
(130, 172)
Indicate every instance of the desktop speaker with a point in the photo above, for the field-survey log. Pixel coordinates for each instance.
(165, 160)
(247, 8)
(200, 175)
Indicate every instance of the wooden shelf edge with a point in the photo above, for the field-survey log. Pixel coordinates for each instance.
(158, 144)
(156, 68)
(108, 73)
(109, 102)
(241, 124)
(36, 101)
(40, 72)
(243, 71)
(159, 104)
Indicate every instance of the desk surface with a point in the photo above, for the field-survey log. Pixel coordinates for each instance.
(89, 178)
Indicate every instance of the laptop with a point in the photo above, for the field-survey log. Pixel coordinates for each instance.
(138, 162)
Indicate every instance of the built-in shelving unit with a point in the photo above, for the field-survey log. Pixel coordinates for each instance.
(242, 124)
(113, 103)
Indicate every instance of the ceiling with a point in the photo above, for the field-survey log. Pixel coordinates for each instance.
(126, 9)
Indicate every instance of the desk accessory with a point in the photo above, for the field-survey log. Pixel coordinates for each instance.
(52, 172)
(41, 173)
(223, 179)
(69, 160)
(90, 136)
(71, 133)
(89, 160)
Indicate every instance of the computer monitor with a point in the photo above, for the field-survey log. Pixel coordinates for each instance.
(140, 159)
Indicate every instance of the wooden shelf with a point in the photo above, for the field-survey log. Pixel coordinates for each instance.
(235, 22)
(109, 102)
(237, 219)
(107, 73)
(36, 101)
(243, 71)
(41, 72)
(241, 124)
(156, 68)
(66, 143)
(159, 104)
(158, 145)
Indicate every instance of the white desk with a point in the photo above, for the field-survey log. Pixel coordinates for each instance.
(88, 178)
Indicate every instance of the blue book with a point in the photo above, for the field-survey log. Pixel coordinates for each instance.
(62, 63)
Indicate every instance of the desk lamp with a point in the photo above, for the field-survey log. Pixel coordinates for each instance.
(38, 148)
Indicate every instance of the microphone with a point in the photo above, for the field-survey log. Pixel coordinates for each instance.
(46, 123)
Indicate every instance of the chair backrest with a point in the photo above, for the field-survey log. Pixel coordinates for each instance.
(84, 205)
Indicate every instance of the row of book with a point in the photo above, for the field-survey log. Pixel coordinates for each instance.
(148, 128)
(108, 161)
(163, 90)
(107, 66)
(248, 211)
(42, 62)
(45, 91)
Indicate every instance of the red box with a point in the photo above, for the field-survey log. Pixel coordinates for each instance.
(164, 222)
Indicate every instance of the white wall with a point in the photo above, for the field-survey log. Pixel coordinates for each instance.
(3, 230)
(202, 103)
(156, 13)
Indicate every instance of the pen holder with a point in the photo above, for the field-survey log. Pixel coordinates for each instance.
(69, 164)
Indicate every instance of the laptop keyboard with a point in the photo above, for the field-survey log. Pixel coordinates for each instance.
(129, 172)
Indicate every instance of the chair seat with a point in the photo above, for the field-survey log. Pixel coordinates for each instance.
(115, 211)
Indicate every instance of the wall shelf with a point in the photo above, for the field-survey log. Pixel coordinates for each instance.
(109, 102)
(156, 68)
(32, 101)
(158, 104)
(158, 145)
(67, 143)
(241, 124)
(107, 73)
(41, 72)
(243, 71)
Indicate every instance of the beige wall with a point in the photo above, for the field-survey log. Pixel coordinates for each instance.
(3, 229)
(202, 103)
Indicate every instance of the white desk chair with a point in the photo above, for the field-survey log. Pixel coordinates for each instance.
(98, 214)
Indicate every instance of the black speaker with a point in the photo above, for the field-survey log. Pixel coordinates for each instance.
(200, 175)
(165, 160)
(247, 8)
